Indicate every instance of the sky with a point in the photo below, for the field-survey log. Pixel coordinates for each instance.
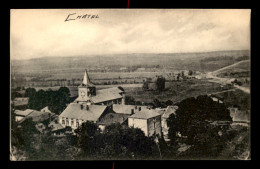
(38, 33)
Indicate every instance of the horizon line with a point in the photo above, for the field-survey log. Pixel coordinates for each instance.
(93, 55)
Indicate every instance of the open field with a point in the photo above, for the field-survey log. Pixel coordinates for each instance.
(237, 70)
(175, 91)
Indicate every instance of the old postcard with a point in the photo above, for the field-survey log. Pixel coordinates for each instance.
(130, 84)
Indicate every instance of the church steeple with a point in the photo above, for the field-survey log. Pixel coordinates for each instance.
(86, 89)
(86, 79)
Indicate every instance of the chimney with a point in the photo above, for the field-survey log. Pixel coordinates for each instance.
(132, 111)
(139, 108)
(87, 107)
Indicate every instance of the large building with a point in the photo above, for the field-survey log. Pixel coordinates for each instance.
(91, 104)
(148, 120)
(87, 93)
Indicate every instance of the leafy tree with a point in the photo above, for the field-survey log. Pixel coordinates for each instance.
(15, 94)
(25, 137)
(157, 103)
(169, 103)
(86, 137)
(193, 118)
(160, 83)
(129, 100)
(145, 85)
(190, 72)
(29, 92)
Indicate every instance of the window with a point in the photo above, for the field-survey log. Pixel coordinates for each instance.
(63, 121)
(67, 122)
(77, 123)
(72, 122)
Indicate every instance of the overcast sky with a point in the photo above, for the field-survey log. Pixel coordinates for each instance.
(39, 33)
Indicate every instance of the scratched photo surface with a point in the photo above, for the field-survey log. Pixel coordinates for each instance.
(130, 84)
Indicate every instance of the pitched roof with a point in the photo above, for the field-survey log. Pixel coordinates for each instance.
(145, 114)
(74, 111)
(169, 110)
(111, 90)
(125, 109)
(38, 116)
(23, 113)
(113, 118)
(55, 126)
(160, 110)
(45, 109)
(102, 96)
(20, 101)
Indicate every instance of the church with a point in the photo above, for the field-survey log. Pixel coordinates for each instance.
(91, 104)
(87, 93)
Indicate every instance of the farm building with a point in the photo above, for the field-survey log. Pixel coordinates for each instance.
(38, 116)
(21, 103)
(20, 114)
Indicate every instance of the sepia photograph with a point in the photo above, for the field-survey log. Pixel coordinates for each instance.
(130, 84)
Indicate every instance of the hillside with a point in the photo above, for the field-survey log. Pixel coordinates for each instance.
(207, 61)
(237, 70)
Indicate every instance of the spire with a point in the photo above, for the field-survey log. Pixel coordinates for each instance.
(86, 78)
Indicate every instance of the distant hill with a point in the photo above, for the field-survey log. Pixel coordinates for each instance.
(207, 61)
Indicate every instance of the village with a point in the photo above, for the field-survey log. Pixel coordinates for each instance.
(156, 84)
(103, 107)
(108, 106)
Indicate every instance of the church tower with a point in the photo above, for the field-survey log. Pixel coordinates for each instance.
(86, 89)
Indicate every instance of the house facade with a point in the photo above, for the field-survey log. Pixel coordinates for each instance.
(77, 113)
(148, 120)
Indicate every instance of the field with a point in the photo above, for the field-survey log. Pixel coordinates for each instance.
(175, 91)
(238, 70)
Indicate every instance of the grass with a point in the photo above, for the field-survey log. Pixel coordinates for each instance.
(175, 91)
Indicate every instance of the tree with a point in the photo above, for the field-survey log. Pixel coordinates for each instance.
(30, 92)
(157, 103)
(169, 103)
(145, 85)
(182, 73)
(123, 142)
(25, 137)
(193, 118)
(58, 100)
(178, 76)
(86, 137)
(129, 100)
(160, 83)
(190, 72)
